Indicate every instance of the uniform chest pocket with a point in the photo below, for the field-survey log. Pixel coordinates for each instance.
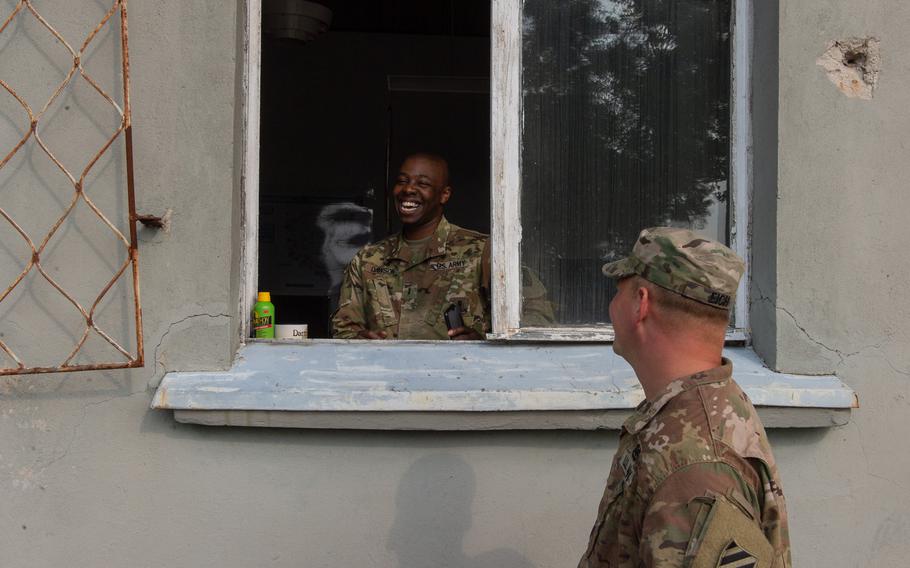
(603, 542)
(620, 490)
(443, 294)
(431, 291)
(381, 302)
(449, 282)
(612, 500)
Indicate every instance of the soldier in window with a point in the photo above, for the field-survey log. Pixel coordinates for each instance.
(399, 287)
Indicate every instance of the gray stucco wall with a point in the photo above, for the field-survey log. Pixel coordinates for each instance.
(842, 205)
(90, 477)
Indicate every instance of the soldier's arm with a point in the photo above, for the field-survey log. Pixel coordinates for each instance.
(349, 320)
(684, 509)
(536, 308)
(486, 272)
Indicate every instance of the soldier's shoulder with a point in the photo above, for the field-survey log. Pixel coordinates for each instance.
(735, 422)
(376, 253)
(722, 398)
(686, 416)
(461, 237)
(677, 437)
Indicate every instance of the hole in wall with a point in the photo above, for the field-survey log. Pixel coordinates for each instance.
(853, 66)
(855, 59)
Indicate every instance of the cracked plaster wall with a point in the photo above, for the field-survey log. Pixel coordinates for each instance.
(89, 476)
(841, 198)
(830, 223)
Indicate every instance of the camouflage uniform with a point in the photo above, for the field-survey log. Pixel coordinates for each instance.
(693, 482)
(698, 445)
(385, 289)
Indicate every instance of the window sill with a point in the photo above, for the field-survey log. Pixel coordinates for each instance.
(424, 385)
(594, 334)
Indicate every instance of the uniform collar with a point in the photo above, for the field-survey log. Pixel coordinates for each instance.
(436, 246)
(647, 409)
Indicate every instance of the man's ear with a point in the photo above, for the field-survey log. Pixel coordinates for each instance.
(644, 305)
(445, 194)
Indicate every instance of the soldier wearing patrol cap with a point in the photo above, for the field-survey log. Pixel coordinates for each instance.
(693, 482)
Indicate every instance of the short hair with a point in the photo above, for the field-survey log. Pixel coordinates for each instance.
(678, 306)
(432, 157)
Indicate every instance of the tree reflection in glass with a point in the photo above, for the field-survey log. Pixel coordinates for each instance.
(626, 126)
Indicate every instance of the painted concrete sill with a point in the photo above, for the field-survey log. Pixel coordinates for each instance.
(422, 385)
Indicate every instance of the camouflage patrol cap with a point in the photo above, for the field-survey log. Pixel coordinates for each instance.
(683, 262)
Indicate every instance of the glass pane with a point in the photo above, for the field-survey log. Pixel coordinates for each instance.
(626, 126)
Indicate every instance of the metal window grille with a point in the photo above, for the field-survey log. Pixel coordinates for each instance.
(26, 9)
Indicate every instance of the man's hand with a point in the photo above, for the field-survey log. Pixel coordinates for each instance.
(367, 334)
(464, 333)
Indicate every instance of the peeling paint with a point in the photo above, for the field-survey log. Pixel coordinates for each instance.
(455, 378)
(853, 66)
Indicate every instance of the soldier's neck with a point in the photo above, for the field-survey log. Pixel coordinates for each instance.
(418, 242)
(663, 362)
(417, 232)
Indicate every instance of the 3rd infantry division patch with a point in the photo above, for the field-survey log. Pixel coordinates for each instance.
(732, 540)
(735, 557)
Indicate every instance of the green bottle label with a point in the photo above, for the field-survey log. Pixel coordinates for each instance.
(264, 320)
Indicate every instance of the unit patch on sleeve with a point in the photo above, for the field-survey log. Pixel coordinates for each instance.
(731, 539)
(735, 557)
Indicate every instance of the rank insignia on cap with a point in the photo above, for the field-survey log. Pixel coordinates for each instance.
(734, 556)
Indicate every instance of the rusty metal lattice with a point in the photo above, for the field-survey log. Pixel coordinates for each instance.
(24, 8)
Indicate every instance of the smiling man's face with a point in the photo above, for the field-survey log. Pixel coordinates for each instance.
(421, 189)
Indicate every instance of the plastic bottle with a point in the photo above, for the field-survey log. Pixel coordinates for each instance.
(264, 317)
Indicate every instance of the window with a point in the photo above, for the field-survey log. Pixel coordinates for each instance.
(607, 116)
(495, 384)
(625, 125)
(619, 118)
(341, 108)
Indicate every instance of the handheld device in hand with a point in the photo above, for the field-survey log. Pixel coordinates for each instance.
(452, 316)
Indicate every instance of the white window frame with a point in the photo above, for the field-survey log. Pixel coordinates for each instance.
(249, 175)
(506, 126)
(506, 130)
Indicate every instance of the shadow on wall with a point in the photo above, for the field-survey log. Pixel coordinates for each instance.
(434, 514)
